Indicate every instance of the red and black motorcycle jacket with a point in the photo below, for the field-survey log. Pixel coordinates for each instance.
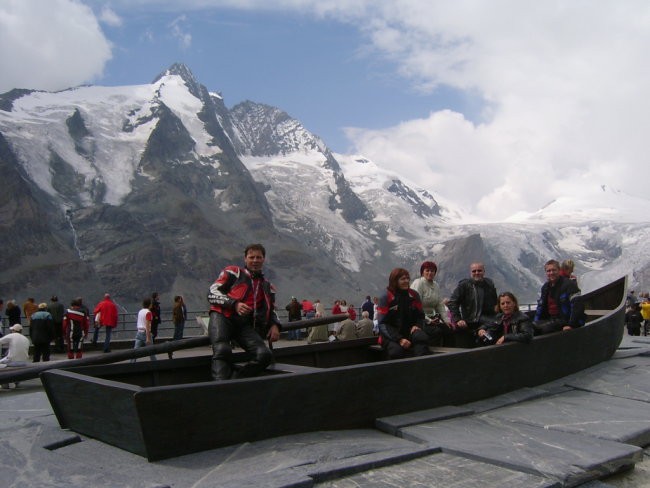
(235, 284)
(392, 327)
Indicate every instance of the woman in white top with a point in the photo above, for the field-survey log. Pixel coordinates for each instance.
(432, 304)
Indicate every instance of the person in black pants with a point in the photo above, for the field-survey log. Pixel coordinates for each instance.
(401, 318)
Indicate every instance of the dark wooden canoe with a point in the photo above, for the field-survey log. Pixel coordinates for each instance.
(169, 408)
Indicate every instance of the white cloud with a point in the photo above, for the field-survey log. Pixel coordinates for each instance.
(50, 45)
(109, 17)
(179, 32)
(565, 84)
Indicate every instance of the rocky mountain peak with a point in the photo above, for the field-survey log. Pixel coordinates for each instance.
(186, 75)
(265, 130)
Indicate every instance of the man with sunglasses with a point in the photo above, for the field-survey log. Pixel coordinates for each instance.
(472, 304)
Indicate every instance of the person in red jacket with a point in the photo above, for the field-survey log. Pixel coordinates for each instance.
(105, 316)
(242, 309)
(75, 329)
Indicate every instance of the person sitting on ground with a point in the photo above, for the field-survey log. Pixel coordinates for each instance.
(365, 325)
(559, 306)
(18, 348)
(18, 353)
(401, 319)
(347, 331)
(434, 309)
(41, 332)
(511, 325)
(320, 332)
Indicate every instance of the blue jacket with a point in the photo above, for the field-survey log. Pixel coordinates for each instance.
(566, 294)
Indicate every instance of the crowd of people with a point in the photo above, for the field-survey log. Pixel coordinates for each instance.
(412, 317)
(408, 318)
(56, 328)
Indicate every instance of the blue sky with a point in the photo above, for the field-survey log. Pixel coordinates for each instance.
(319, 71)
(501, 106)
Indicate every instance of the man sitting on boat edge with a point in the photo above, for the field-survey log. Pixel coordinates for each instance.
(559, 306)
(472, 304)
(242, 309)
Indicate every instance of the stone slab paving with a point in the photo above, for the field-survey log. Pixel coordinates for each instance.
(581, 412)
(569, 459)
(392, 425)
(624, 379)
(559, 434)
(440, 469)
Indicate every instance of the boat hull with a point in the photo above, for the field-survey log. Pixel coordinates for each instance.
(169, 408)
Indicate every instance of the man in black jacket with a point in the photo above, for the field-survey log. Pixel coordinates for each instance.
(559, 306)
(472, 304)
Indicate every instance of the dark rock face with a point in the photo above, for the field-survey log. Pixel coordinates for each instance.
(186, 217)
(407, 194)
(187, 214)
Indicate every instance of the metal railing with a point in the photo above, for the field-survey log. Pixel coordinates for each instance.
(126, 324)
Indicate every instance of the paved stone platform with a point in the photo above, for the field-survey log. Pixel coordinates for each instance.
(576, 431)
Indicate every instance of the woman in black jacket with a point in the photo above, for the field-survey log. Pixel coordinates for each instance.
(401, 318)
(510, 325)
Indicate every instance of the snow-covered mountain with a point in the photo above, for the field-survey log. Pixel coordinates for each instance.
(154, 187)
(601, 204)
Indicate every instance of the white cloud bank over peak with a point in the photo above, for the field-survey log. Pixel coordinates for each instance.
(565, 88)
(564, 85)
(50, 45)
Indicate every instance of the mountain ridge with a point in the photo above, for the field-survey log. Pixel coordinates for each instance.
(154, 187)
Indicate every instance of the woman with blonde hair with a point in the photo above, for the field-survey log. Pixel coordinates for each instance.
(566, 269)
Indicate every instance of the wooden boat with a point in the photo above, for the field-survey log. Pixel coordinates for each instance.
(162, 409)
